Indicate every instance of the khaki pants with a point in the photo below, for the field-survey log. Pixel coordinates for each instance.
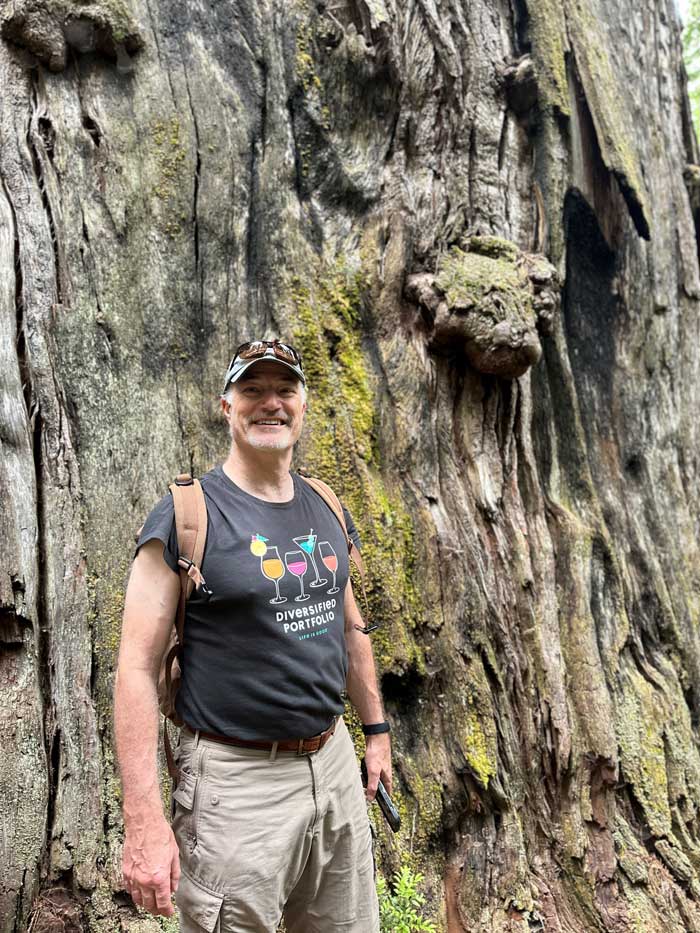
(260, 838)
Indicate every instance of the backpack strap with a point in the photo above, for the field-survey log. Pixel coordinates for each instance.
(334, 504)
(191, 527)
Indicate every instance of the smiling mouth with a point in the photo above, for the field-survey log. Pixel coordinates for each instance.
(271, 422)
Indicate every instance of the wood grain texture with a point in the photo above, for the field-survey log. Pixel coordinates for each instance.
(320, 172)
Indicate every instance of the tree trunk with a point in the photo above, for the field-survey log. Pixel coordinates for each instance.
(476, 220)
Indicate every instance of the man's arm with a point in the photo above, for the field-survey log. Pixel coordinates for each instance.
(151, 863)
(364, 695)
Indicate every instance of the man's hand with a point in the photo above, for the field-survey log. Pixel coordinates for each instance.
(378, 763)
(151, 865)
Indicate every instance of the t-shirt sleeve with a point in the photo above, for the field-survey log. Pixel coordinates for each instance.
(160, 525)
(353, 533)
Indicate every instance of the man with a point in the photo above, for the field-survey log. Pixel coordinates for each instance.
(259, 830)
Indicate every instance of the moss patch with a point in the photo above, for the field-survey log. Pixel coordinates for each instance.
(640, 725)
(469, 279)
(341, 446)
(170, 158)
(549, 46)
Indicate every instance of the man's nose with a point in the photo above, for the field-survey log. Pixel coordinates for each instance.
(271, 399)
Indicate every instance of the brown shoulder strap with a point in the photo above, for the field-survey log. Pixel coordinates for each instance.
(191, 527)
(333, 502)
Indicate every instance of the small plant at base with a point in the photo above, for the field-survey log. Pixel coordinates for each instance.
(400, 910)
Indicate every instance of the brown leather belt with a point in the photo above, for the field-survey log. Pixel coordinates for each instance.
(300, 746)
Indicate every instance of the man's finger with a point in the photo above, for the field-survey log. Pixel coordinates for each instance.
(372, 782)
(148, 901)
(174, 873)
(163, 902)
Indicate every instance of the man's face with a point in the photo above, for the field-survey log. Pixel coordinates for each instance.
(267, 408)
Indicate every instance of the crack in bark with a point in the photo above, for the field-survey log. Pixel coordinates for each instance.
(199, 271)
(502, 140)
(54, 764)
(472, 164)
(262, 64)
(251, 237)
(93, 129)
(37, 164)
(20, 341)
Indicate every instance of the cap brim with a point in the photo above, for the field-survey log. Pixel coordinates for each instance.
(239, 371)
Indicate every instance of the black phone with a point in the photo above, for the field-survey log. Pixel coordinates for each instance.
(386, 805)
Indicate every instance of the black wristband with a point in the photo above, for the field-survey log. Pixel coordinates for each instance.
(377, 728)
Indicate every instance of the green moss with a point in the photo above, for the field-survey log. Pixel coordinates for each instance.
(170, 157)
(428, 796)
(473, 722)
(480, 758)
(495, 247)
(341, 446)
(549, 46)
(640, 732)
(307, 74)
(470, 279)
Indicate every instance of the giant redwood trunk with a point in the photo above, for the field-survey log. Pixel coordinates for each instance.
(476, 220)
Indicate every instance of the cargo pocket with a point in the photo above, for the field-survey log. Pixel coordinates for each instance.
(186, 786)
(199, 905)
(184, 798)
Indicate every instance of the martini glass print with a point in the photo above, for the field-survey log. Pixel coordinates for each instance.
(330, 561)
(307, 544)
(296, 564)
(273, 568)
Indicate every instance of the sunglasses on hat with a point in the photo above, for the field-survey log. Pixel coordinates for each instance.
(253, 350)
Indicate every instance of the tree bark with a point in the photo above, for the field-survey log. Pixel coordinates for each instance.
(478, 223)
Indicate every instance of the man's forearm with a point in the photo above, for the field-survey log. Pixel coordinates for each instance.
(362, 678)
(136, 733)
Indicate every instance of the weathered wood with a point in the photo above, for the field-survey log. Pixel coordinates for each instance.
(188, 177)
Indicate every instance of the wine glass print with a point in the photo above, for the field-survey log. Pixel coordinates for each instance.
(330, 561)
(273, 568)
(296, 564)
(307, 544)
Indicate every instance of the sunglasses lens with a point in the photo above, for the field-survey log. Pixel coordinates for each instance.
(257, 348)
(250, 350)
(288, 354)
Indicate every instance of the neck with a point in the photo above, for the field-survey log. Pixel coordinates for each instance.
(262, 473)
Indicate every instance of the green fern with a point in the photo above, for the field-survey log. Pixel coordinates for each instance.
(400, 908)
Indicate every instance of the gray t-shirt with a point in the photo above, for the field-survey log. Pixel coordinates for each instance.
(264, 656)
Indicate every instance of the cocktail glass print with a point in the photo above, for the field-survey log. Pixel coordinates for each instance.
(307, 543)
(273, 568)
(330, 561)
(296, 564)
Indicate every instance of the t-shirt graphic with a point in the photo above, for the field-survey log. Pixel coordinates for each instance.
(264, 657)
(296, 563)
(300, 564)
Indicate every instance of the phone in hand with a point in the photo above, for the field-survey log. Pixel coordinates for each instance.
(386, 805)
